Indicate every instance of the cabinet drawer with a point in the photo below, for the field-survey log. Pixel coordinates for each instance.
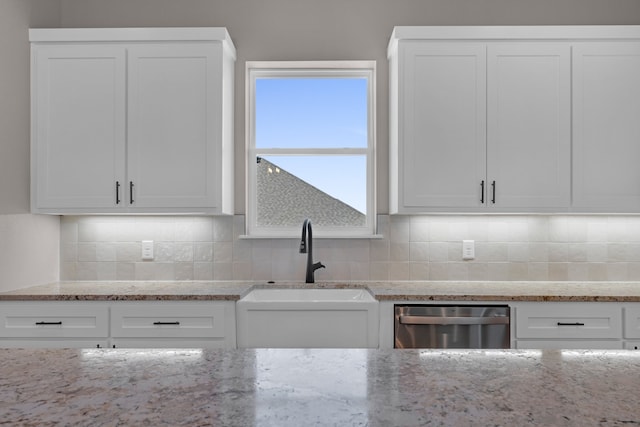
(168, 319)
(568, 321)
(53, 320)
(632, 321)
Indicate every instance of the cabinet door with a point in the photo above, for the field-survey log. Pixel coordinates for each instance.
(174, 125)
(442, 125)
(78, 127)
(606, 127)
(528, 128)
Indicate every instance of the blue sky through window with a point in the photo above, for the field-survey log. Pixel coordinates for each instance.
(317, 113)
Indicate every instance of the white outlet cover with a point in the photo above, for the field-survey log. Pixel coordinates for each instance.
(468, 249)
(147, 250)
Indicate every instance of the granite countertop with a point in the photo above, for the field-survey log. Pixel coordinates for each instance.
(382, 291)
(291, 387)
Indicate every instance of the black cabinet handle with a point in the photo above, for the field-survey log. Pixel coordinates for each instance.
(482, 192)
(48, 323)
(570, 324)
(166, 323)
(117, 192)
(131, 192)
(493, 189)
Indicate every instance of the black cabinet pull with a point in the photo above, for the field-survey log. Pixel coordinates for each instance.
(131, 192)
(48, 323)
(166, 323)
(570, 324)
(482, 192)
(493, 189)
(117, 192)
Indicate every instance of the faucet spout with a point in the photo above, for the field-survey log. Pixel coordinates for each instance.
(306, 247)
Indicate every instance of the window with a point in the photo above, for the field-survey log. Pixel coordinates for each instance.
(310, 146)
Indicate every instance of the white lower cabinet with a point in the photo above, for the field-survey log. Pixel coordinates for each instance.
(54, 324)
(568, 325)
(203, 324)
(140, 324)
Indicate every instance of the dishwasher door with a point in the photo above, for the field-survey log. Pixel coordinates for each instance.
(452, 326)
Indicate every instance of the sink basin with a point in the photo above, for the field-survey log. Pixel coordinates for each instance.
(304, 295)
(307, 318)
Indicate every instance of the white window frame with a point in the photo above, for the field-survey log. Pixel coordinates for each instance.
(274, 69)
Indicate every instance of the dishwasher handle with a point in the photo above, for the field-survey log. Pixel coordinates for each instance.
(436, 320)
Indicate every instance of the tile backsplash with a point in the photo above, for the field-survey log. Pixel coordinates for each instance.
(509, 247)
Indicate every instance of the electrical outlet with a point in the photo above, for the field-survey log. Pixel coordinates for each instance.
(468, 249)
(147, 250)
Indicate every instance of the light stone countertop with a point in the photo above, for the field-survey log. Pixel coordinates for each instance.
(320, 387)
(382, 291)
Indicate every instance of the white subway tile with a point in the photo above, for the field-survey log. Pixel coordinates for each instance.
(222, 271)
(379, 271)
(203, 252)
(559, 271)
(578, 271)
(380, 251)
(223, 252)
(399, 271)
(125, 271)
(183, 251)
(87, 252)
(128, 252)
(578, 252)
(183, 270)
(242, 271)
(105, 252)
(419, 252)
(399, 252)
(518, 271)
(597, 271)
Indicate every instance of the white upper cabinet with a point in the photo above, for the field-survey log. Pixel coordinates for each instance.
(173, 118)
(132, 120)
(514, 119)
(606, 126)
(478, 126)
(441, 139)
(528, 126)
(78, 127)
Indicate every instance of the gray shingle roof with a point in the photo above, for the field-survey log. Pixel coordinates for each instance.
(286, 200)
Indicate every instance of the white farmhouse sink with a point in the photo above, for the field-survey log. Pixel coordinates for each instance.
(307, 318)
(308, 295)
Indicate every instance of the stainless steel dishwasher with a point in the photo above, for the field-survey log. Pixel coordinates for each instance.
(452, 326)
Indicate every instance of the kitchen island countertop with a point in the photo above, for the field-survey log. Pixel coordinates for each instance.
(291, 387)
(382, 291)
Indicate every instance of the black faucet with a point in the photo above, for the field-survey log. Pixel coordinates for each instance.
(306, 247)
